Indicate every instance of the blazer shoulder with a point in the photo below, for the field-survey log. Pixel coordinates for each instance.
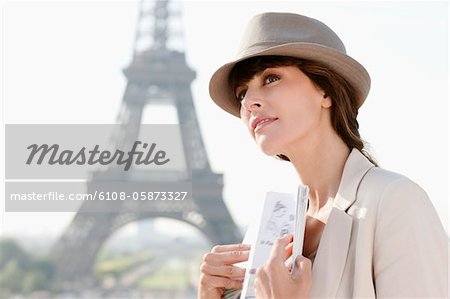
(384, 181)
(392, 198)
(381, 186)
(383, 177)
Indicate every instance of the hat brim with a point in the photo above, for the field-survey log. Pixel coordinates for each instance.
(222, 94)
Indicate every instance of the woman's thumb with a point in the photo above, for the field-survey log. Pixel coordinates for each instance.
(303, 265)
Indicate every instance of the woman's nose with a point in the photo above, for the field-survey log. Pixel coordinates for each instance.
(252, 100)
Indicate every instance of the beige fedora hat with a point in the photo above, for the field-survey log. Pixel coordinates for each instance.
(294, 35)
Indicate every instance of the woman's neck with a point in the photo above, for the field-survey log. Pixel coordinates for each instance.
(319, 165)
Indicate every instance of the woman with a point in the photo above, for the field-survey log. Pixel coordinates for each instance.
(369, 232)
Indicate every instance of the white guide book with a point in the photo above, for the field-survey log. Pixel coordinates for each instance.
(282, 213)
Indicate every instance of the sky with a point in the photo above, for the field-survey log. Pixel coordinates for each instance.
(61, 62)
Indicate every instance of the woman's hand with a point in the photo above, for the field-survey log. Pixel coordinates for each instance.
(218, 272)
(274, 281)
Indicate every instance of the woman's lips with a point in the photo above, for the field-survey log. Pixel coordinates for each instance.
(263, 123)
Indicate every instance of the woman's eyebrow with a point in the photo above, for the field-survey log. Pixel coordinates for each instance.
(271, 69)
(266, 71)
(244, 83)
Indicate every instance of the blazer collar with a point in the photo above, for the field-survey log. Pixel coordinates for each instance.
(331, 255)
(355, 168)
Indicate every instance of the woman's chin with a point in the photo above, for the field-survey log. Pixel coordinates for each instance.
(268, 148)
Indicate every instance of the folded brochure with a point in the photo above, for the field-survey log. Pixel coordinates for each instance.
(283, 213)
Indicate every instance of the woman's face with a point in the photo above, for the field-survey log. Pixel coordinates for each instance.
(282, 109)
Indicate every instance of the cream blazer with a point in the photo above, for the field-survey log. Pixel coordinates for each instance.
(383, 238)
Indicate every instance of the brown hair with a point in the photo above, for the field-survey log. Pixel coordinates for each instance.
(344, 109)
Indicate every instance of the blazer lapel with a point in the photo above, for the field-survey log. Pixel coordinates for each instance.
(331, 255)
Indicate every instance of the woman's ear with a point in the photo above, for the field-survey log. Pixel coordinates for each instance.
(326, 101)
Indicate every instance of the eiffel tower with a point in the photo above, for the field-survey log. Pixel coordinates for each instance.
(156, 74)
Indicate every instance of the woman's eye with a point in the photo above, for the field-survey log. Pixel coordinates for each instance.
(271, 78)
(240, 95)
